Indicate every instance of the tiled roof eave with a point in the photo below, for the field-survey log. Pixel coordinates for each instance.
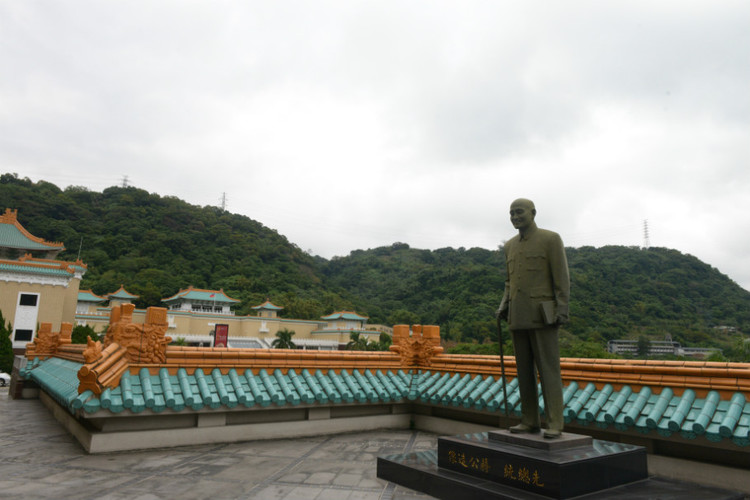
(201, 295)
(195, 379)
(14, 235)
(42, 270)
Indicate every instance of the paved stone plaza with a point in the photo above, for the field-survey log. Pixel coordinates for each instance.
(39, 459)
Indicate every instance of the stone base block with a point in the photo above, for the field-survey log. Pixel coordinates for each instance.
(479, 467)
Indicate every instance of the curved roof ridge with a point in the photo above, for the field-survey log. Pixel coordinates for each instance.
(344, 315)
(268, 305)
(201, 294)
(49, 265)
(121, 293)
(89, 294)
(10, 217)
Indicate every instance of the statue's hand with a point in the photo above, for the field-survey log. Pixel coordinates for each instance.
(561, 319)
(501, 313)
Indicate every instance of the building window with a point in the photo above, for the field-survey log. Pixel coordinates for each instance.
(23, 336)
(27, 299)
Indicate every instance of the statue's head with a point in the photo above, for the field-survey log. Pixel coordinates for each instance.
(522, 213)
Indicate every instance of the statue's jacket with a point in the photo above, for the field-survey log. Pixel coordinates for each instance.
(537, 272)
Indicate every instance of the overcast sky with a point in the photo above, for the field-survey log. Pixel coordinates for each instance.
(350, 125)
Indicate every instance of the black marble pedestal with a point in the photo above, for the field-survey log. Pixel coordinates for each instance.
(477, 467)
(581, 465)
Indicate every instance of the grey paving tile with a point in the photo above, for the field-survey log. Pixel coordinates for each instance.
(364, 495)
(41, 460)
(333, 494)
(303, 493)
(320, 478)
(272, 492)
(347, 479)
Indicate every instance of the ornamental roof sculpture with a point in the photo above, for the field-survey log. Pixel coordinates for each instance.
(143, 342)
(46, 342)
(420, 347)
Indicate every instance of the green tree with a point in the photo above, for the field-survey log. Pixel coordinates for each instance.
(6, 346)
(489, 349)
(81, 333)
(179, 341)
(283, 339)
(384, 342)
(644, 346)
(740, 351)
(403, 317)
(357, 342)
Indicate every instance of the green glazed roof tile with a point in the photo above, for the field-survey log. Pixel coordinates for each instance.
(581, 398)
(344, 315)
(659, 408)
(733, 414)
(121, 293)
(268, 305)
(89, 296)
(13, 237)
(596, 406)
(327, 385)
(40, 270)
(458, 383)
(217, 296)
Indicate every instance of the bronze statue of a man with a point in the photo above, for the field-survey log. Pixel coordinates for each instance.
(535, 304)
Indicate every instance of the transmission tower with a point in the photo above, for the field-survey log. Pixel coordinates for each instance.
(646, 242)
(124, 181)
(223, 201)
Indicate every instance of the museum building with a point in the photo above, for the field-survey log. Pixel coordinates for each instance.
(35, 286)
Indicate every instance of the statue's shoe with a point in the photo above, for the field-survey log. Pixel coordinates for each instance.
(524, 429)
(552, 434)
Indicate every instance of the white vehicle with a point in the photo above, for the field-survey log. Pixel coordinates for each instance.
(4, 379)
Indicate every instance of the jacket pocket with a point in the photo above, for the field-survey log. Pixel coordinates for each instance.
(542, 293)
(535, 261)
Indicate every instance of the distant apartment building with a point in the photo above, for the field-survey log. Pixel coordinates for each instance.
(659, 348)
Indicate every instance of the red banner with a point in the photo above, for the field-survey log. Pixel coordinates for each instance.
(221, 335)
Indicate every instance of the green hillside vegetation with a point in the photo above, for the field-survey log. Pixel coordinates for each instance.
(157, 245)
(617, 293)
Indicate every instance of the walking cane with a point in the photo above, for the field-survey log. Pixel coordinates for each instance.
(502, 364)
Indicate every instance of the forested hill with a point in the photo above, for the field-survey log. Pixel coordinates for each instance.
(616, 292)
(156, 246)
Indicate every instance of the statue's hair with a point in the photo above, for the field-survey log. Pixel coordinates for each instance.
(526, 203)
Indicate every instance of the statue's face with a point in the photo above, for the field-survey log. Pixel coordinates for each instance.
(521, 216)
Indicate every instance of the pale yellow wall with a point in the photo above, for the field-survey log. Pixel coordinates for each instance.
(202, 324)
(70, 301)
(188, 323)
(57, 304)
